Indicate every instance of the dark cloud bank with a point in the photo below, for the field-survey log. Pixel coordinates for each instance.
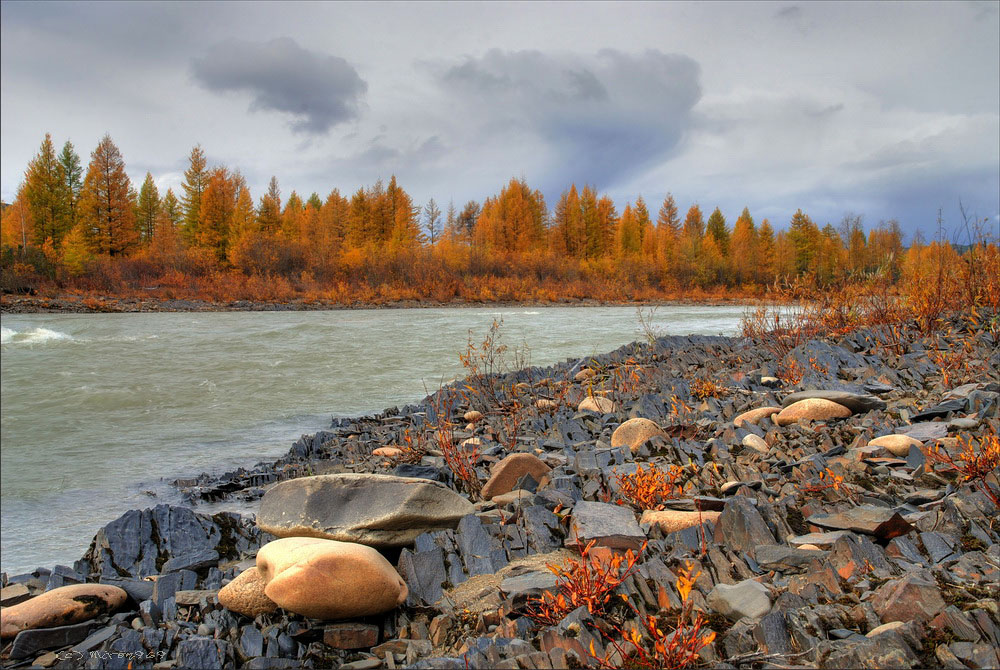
(601, 118)
(317, 89)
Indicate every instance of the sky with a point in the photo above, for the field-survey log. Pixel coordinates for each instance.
(887, 110)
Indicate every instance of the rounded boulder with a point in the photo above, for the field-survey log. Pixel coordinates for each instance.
(376, 510)
(598, 404)
(897, 445)
(634, 432)
(61, 607)
(755, 415)
(505, 473)
(245, 595)
(326, 579)
(811, 409)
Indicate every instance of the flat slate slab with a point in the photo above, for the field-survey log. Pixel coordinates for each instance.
(881, 522)
(371, 509)
(925, 431)
(609, 525)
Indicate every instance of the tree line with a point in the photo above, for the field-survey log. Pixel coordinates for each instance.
(70, 226)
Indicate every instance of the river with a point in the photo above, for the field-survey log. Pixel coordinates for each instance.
(99, 412)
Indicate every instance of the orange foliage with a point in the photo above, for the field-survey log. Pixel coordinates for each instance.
(657, 649)
(589, 582)
(649, 489)
(976, 461)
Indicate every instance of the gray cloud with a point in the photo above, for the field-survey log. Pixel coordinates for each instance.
(600, 118)
(318, 90)
(791, 12)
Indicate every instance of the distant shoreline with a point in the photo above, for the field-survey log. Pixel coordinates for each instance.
(18, 304)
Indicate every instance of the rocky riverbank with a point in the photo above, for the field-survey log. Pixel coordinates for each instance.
(819, 523)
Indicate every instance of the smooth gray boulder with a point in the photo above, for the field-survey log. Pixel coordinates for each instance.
(375, 510)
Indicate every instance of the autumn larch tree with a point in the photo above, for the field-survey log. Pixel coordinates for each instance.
(147, 208)
(804, 237)
(46, 195)
(218, 204)
(716, 227)
(569, 237)
(629, 237)
(668, 233)
(269, 212)
(195, 181)
(743, 250)
(72, 174)
(432, 218)
(106, 210)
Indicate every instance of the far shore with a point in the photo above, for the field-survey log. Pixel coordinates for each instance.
(90, 304)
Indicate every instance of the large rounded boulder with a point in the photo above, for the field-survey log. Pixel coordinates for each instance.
(376, 510)
(61, 607)
(245, 595)
(755, 415)
(811, 409)
(326, 579)
(897, 445)
(634, 432)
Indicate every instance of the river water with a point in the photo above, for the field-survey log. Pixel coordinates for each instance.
(100, 411)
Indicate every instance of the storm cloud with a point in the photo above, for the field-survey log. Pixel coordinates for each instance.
(318, 90)
(885, 109)
(598, 118)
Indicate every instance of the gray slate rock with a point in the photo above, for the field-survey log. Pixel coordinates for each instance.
(140, 542)
(424, 573)
(741, 526)
(745, 599)
(203, 653)
(783, 558)
(608, 525)
(926, 431)
(376, 510)
(29, 642)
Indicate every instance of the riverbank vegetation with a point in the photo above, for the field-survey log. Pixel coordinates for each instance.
(92, 232)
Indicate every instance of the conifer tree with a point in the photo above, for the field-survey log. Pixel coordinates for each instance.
(668, 232)
(147, 208)
(743, 250)
(72, 172)
(647, 235)
(195, 182)
(45, 193)
(106, 208)
(716, 227)
(766, 252)
(292, 217)
(568, 232)
(451, 222)
(432, 218)
(269, 212)
(171, 208)
(629, 238)
(218, 204)
(467, 219)
(804, 238)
